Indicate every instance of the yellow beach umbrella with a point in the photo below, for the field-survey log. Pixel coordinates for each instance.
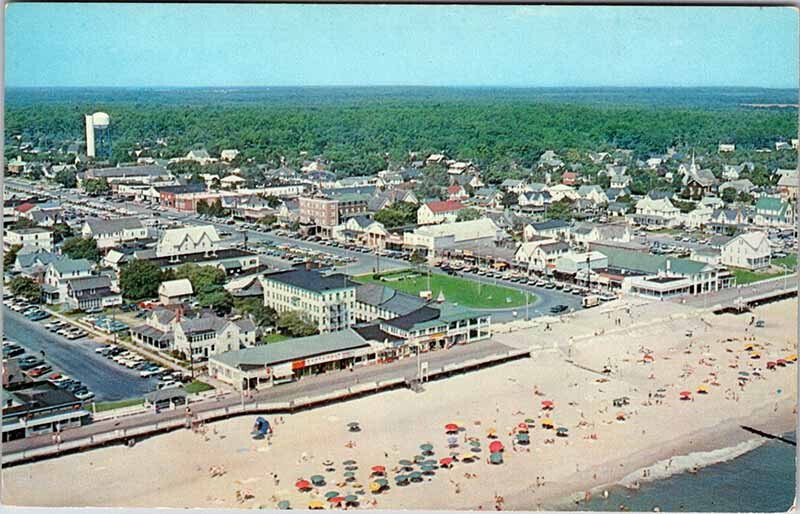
(547, 423)
(791, 358)
(316, 504)
(466, 456)
(702, 388)
(374, 486)
(491, 432)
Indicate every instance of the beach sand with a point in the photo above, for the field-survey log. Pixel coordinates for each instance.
(173, 470)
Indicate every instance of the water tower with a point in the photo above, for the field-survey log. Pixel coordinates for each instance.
(98, 137)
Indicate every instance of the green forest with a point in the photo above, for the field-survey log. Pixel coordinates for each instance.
(363, 134)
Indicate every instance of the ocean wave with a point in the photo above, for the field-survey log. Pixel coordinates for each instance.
(683, 463)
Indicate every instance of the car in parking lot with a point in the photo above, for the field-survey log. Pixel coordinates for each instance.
(558, 309)
(39, 370)
(29, 362)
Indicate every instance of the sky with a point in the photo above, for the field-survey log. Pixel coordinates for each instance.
(129, 45)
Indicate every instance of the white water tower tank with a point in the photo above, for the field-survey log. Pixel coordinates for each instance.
(100, 120)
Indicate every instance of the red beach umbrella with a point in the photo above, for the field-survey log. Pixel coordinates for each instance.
(379, 469)
(547, 404)
(446, 461)
(685, 395)
(336, 499)
(303, 484)
(496, 446)
(451, 427)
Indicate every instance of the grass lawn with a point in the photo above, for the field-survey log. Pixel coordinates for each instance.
(274, 338)
(468, 293)
(198, 387)
(104, 406)
(790, 261)
(748, 277)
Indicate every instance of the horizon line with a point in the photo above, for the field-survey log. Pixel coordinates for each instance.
(418, 86)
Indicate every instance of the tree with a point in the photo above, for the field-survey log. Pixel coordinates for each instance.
(140, 279)
(23, 223)
(268, 220)
(263, 316)
(201, 277)
(468, 214)
(10, 256)
(397, 215)
(67, 178)
(510, 198)
(217, 299)
(561, 210)
(25, 287)
(744, 197)
(273, 201)
(61, 231)
(728, 195)
(96, 187)
(80, 248)
(293, 324)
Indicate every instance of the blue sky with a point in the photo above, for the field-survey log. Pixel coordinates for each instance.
(286, 45)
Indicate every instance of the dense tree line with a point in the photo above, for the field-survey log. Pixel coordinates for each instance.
(365, 135)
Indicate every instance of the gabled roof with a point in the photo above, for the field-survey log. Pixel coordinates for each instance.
(173, 288)
(445, 206)
(389, 299)
(311, 280)
(71, 265)
(549, 225)
(84, 283)
(100, 226)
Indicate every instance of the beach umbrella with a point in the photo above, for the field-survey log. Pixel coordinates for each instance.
(382, 482)
(523, 430)
(451, 427)
(303, 484)
(446, 461)
(429, 462)
(351, 498)
(427, 468)
(349, 474)
(523, 438)
(349, 462)
(452, 440)
(771, 365)
(418, 459)
(530, 422)
(378, 470)
(427, 447)
(547, 404)
(406, 463)
(620, 416)
(336, 499)
(744, 374)
(685, 393)
(353, 424)
(522, 426)
(755, 355)
(562, 431)
(415, 475)
(702, 389)
(780, 362)
(491, 433)
(546, 423)
(318, 480)
(791, 357)
(496, 458)
(496, 446)
(316, 505)
(749, 348)
(401, 479)
(466, 456)
(374, 487)
(284, 505)
(474, 443)
(648, 358)
(327, 462)
(661, 390)
(331, 494)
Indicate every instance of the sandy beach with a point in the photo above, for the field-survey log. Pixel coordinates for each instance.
(645, 347)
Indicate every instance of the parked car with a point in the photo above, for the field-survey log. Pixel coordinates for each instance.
(558, 309)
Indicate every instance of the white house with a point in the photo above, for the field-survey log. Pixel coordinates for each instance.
(188, 240)
(229, 155)
(659, 212)
(560, 191)
(362, 230)
(59, 273)
(593, 233)
(30, 239)
(593, 193)
(747, 251)
(556, 229)
(435, 238)
(724, 148)
(175, 291)
(540, 256)
(439, 212)
(515, 186)
(110, 233)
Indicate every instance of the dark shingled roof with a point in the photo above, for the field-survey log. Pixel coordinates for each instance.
(311, 280)
(418, 316)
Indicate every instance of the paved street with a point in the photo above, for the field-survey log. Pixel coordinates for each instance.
(318, 385)
(105, 378)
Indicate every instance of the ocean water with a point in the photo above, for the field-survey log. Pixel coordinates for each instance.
(757, 480)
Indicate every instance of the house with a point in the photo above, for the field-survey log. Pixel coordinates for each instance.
(431, 240)
(569, 178)
(91, 293)
(782, 145)
(229, 155)
(288, 213)
(128, 174)
(34, 264)
(514, 186)
(58, 273)
(555, 229)
(586, 233)
(729, 217)
(788, 184)
(113, 232)
(232, 182)
(490, 197)
(29, 239)
(376, 301)
(326, 301)
(33, 409)
(362, 231)
(435, 158)
(248, 286)
(540, 255)
(550, 160)
(439, 212)
(774, 212)
(559, 192)
(457, 193)
(656, 213)
(593, 193)
(188, 240)
(200, 156)
(726, 148)
(534, 199)
(698, 217)
(743, 186)
(175, 291)
(732, 171)
(619, 179)
(750, 251)
(617, 209)
(697, 182)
